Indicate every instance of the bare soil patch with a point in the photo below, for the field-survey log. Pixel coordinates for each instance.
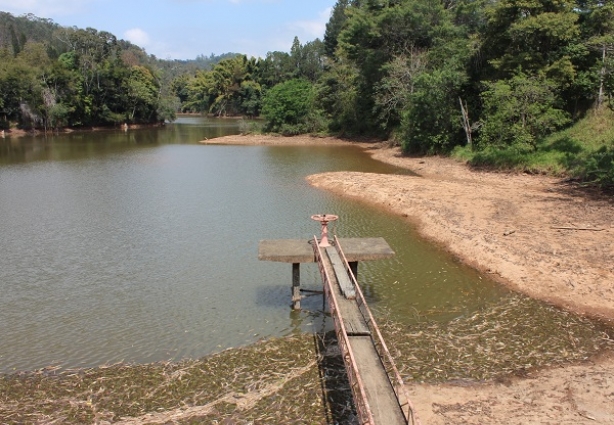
(539, 235)
(267, 139)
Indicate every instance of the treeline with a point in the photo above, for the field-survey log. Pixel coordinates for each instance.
(495, 76)
(242, 86)
(496, 79)
(52, 76)
(430, 74)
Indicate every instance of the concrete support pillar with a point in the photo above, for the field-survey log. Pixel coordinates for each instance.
(296, 286)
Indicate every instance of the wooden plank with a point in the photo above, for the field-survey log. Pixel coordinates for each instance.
(353, 319)
(380, 394)
(346, 285)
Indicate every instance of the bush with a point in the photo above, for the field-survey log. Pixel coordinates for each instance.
(519, 112)
(432, 122)
(288, 108)
(599, 167)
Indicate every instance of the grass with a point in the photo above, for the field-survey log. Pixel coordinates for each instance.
(584, 151)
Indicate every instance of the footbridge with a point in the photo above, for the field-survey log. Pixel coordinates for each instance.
(379, 393)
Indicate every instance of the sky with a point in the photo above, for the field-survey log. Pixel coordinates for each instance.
(184, 29)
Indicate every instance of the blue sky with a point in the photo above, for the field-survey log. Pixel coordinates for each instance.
(183, 29)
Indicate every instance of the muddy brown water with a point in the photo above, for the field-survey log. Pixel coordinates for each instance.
(142, 246)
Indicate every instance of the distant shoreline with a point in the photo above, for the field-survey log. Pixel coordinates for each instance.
(16, 133)
(268, 139)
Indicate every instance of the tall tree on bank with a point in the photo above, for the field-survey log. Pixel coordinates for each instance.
(334, 26)
(599, 21)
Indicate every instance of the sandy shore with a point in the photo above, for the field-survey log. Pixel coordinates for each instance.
(267, 139)
(536, 234)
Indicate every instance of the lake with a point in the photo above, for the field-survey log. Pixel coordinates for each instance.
(142, 246)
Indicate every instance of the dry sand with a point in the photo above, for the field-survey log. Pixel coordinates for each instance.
(537, 234)
(267, 139)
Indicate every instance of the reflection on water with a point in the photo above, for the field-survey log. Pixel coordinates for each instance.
(84, 144)
(142, 246)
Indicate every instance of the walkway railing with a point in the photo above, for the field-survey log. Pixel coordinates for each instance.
(358, 390)
(380, 345)
(363, 409)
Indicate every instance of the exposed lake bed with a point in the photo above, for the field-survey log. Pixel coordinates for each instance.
(582, 338)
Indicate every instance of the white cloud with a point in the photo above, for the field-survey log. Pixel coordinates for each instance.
(43, 8)
(314, 28)
(137, 36)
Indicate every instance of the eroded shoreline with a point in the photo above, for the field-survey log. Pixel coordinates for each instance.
(524, 229)
(536, 234)
(539, 236)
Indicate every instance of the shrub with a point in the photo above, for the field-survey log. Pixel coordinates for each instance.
(288, 108)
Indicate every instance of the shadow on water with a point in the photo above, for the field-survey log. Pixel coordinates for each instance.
(336, 388)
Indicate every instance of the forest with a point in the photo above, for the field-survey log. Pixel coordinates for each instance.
(525, 84)
(53, 77)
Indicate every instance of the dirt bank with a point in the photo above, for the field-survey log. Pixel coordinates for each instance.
(267, 139)
(537, 234)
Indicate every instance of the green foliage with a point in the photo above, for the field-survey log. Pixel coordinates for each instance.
(334, 27)
(599, 167)
(519, 111)
(585, 151)
(60, 77)
(288, 108)
(228, 89)
(529, 34)
(432, 122)
(337, 94)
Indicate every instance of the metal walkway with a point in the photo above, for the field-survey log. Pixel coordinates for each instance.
(379, 393)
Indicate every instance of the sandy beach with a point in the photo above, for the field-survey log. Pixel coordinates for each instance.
(538, 235)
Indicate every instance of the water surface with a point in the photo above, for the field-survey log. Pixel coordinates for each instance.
(142, 246)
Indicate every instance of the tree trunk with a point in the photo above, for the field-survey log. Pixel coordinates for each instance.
(466, 123)
(601, 95)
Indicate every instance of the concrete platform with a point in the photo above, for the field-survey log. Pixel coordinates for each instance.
(300, 250)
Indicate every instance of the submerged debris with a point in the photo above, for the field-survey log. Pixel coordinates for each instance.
(511, 336)
(301, 377)
(266, 383)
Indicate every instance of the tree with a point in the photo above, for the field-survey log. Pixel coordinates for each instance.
(338, 96)
(531, 35)
(307, 60)
(377, 32)
(199, 91)
(518, 111)
(394, 90)
(334, 27)
(287, 107)
(142, 94)
(600, 22)
(227, 76)
(432, 123)
(274, 69)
